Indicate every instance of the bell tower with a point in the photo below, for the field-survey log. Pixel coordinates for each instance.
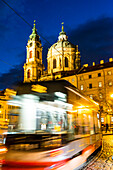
(33, 68)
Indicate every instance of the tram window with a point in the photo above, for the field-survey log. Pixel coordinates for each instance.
(53, 120)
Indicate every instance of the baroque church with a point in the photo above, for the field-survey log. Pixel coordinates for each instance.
(63, 62)
(62, 57)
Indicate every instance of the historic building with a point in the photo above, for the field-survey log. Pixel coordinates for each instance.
(97, 82)
(62, 57)
(5, 118)
(33, 68)
(63, 62)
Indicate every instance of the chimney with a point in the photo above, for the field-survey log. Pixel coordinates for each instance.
(85, 65)
(110, 59)
(93, 63)
(101, 61)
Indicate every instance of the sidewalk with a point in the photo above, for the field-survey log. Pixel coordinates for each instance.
(107, 133)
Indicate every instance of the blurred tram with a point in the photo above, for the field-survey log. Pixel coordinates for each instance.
(58, 127)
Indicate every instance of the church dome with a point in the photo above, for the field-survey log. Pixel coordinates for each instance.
(62, 41)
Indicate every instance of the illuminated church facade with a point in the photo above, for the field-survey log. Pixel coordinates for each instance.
(62, 57)
(63, 62)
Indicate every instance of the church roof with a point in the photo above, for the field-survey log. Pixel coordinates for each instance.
(65, 44)
(34, 34)
(96, 67)
(63, 40)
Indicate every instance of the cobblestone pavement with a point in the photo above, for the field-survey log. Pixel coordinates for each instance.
(104, 159)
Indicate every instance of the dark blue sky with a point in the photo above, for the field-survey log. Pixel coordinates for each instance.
(88, 23)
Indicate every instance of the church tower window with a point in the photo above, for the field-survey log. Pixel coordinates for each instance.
(28, 74)
(30, 54)
(60, 63)
(66, 62)
(54, 63)
(37, 54)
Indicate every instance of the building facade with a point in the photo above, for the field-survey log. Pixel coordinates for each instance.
(97, 82)
(5, 118)
(33, 68)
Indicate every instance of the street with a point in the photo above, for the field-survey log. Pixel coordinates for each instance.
(104, 159)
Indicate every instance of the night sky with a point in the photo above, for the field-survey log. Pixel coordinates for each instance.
(88, 23)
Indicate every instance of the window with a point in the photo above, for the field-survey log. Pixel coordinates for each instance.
(39, 73)
(100, 84)
(28, 74)
(102, 119)
(90, 76)
(30, 44)
(37, 54)
(30, 54)
(66, 62)
(99, 74)
(82, 87)
(111, 119)
(109, 73)
(60, 63)
(90, 86)
(81, 77)
(91, 96)
(110, 83)
(100, 95)
(54, 63)
(73, 79)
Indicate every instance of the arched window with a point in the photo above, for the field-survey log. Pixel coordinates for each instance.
(54, 63)
(37, 54)
(30, 54)
(66, 62)
(28, 73)
(60, 62)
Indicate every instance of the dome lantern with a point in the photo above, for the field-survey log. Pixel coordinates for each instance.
(62, 34)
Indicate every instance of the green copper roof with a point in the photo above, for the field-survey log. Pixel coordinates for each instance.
(34, 34)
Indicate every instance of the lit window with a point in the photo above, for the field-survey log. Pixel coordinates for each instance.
(100, 95)
(110, 83)
(109, 72)
(30, 54)
(102, 119)
(90, 76)
(111, 119)
(54, 63)
(91, 96)
(81, 87)
(100, 84)
(99, 74)
(81, 77)
(90, 86)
